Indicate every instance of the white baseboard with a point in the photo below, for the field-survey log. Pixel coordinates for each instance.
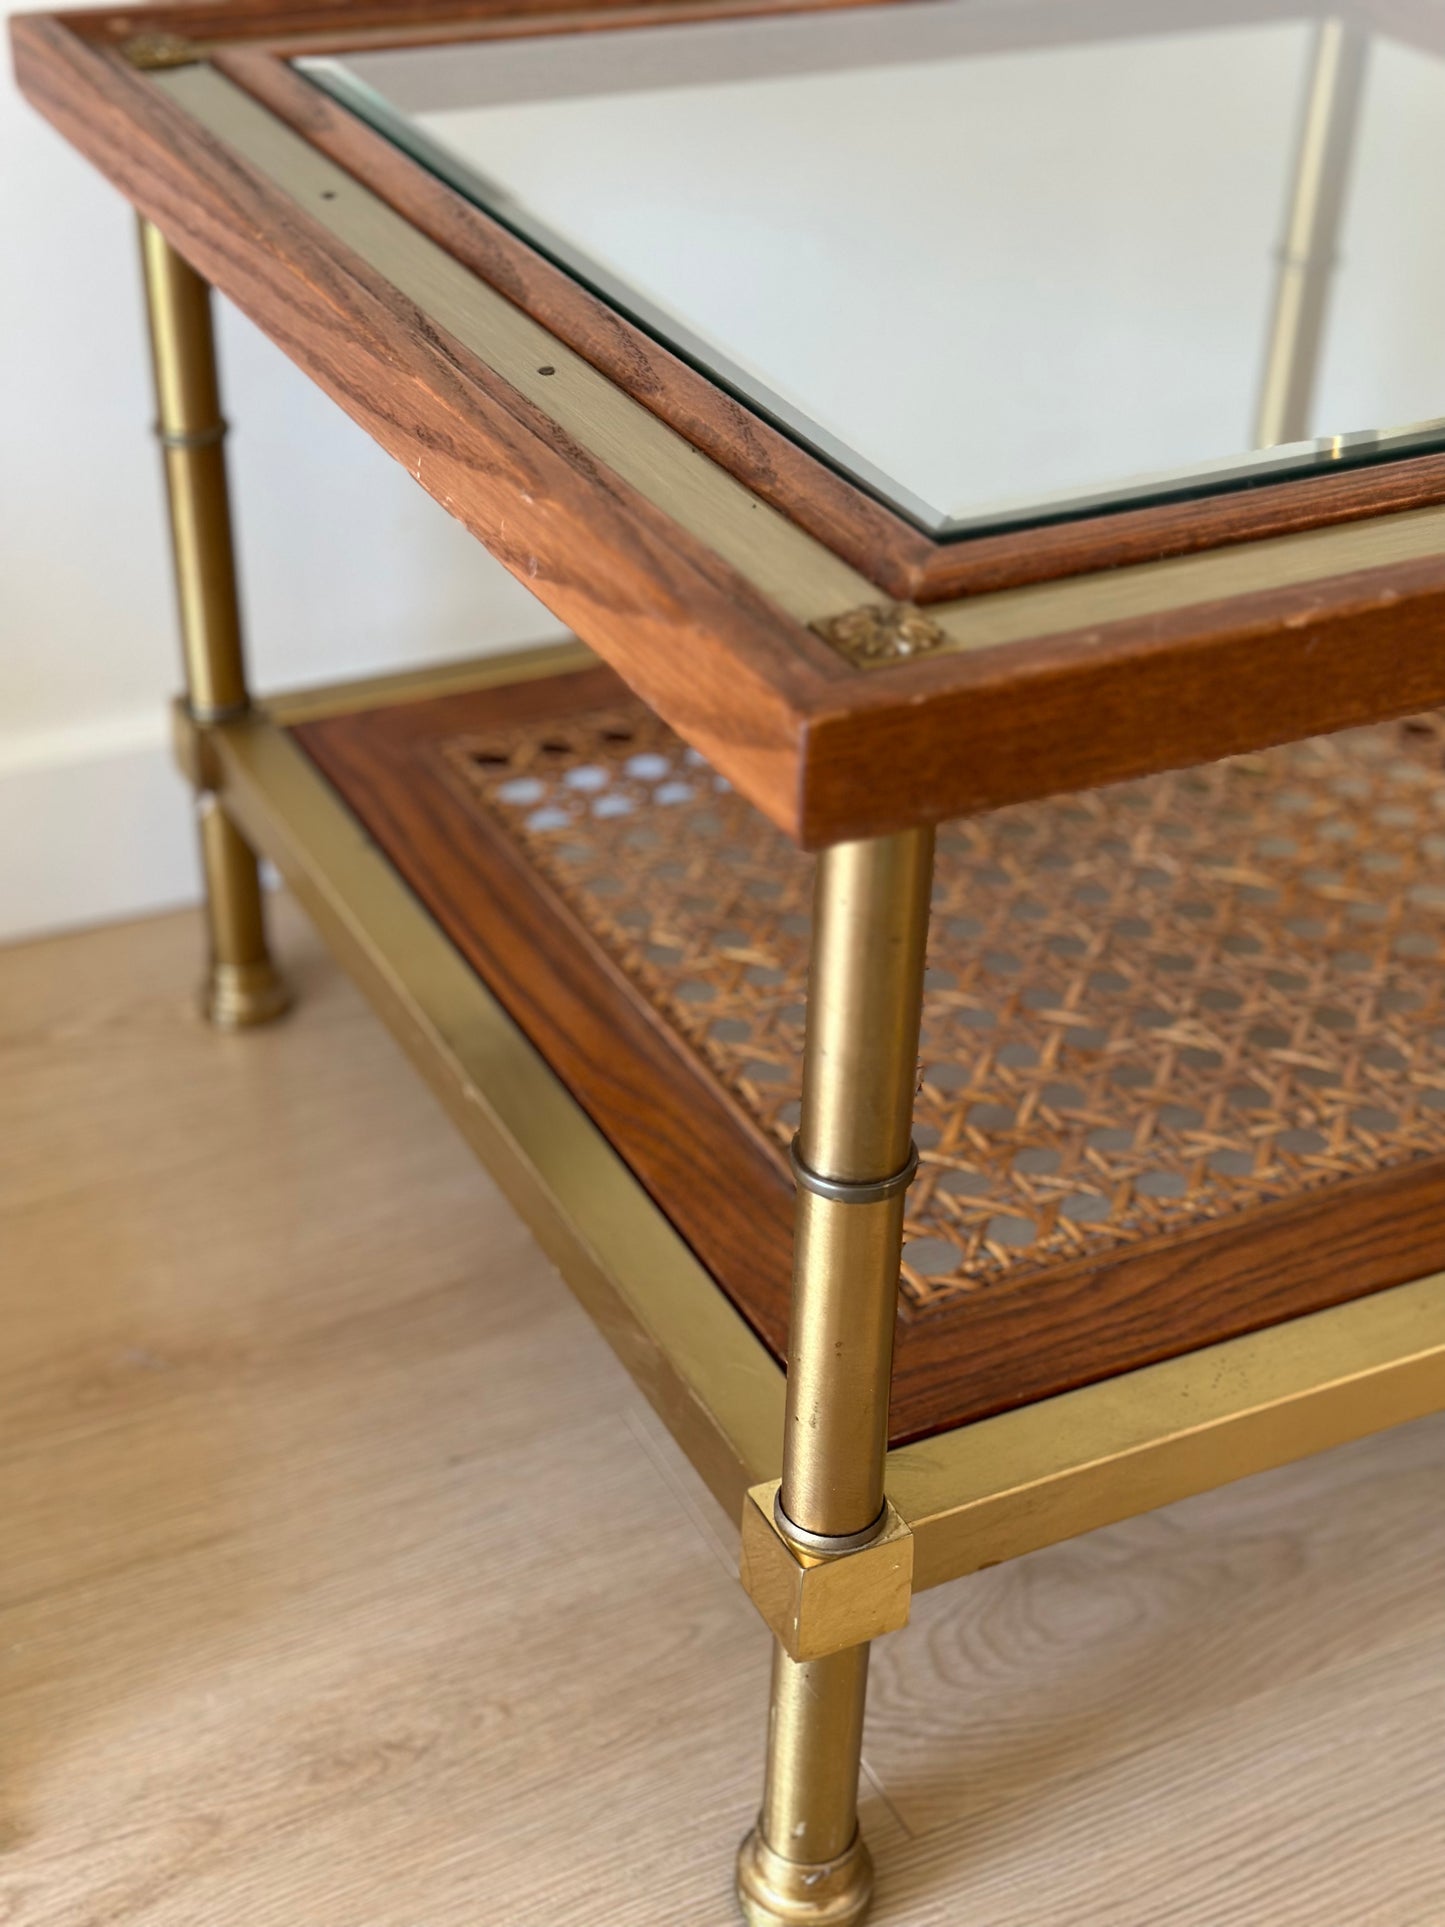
(95, 825)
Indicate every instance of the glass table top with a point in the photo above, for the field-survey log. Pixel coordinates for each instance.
(996, 274)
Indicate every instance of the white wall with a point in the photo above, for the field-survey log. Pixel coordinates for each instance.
(347, 564)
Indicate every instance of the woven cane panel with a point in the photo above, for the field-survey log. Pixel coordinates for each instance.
(1147, 1007)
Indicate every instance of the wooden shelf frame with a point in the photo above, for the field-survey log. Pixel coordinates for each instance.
(574, 970)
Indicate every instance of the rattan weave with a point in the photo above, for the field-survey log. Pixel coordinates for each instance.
(1147, 1007)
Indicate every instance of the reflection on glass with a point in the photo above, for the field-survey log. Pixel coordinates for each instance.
(998, 273)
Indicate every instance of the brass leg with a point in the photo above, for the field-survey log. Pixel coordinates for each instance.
(1309, 249)
(242, 986)
(805, 1861)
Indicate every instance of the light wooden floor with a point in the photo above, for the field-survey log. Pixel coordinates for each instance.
(345, 1581)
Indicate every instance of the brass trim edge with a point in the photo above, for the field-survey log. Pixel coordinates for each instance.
(791, 568)
(1046, 1472)
(156, 51)
(525, 664)
(714, 1384)
(1043, 609)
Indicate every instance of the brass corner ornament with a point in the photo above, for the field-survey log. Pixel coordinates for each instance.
(881, 632)
(151, 51)
(818, 1606)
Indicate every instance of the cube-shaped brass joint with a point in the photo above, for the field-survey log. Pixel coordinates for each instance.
(816, 1605)
(191, 742)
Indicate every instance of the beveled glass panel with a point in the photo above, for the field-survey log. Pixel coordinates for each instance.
(999, 264)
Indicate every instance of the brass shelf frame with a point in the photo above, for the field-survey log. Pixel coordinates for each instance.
(714, 1385)
(971, 1497)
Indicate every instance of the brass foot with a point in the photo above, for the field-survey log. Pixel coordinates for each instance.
(240, 996)
(774, 1892)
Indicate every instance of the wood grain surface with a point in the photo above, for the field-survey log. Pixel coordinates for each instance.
(348, 1580)
(688, 631)
(726, 1188)
(993, 26)
(716, 644)
(783, 473)
(322, 26)
(1095, 705)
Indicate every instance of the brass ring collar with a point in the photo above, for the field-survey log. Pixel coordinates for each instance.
(827, 1545)
(209, 716)
(187, 438)
(849, 1191)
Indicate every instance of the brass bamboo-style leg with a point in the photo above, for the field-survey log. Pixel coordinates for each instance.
(1309, 247)
(242, 986)
(805, 1861)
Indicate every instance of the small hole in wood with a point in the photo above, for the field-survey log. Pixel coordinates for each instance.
(548, 370)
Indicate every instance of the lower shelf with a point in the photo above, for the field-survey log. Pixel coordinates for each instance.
(548, 978)
(1183, 1062)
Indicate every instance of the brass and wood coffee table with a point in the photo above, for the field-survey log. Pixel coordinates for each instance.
(909, 409)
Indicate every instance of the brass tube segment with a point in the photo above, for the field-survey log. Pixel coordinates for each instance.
(840, 1364)
(242, 987)
(865, 987)
(805, 1862)
(860, 1066)
(191, 431)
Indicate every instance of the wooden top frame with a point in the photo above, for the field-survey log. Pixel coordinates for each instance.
(849, 674)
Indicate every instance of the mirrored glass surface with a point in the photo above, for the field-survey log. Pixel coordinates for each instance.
(1000, 264)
